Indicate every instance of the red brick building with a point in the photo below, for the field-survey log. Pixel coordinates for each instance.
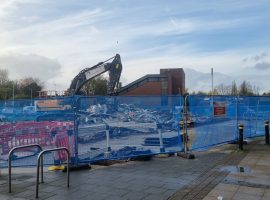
(168, 82)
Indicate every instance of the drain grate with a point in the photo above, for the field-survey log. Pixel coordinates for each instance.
(244, 183)
(236, 169)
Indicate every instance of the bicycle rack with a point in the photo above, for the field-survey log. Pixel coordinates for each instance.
(9, 160)
(40, 162)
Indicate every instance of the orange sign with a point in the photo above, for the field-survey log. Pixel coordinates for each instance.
(51, 104)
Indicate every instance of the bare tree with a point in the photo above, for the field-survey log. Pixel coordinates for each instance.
(3, 76)
(256, 89)
(234, 90)
(29, 87)
(223, 89)
(245, 88)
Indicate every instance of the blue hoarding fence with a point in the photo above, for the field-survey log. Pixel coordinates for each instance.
(121, 127)
(125, 127)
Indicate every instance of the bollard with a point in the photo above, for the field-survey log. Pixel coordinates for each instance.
(241, 136)
(266, 128)
(161, 146)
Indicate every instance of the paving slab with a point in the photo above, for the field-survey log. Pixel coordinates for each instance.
(254, 183)
(160, 178)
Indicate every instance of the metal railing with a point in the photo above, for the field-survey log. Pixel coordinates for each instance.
(40, 162)
(10, 159)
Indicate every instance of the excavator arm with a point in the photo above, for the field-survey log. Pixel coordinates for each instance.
(114, 68)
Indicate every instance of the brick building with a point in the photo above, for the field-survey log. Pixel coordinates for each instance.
(168, 82)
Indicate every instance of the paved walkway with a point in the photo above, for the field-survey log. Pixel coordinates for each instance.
(251, 181)
(213, 173)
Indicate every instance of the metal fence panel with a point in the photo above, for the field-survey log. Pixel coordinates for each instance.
(120, 127)
(47, 122)
(209, 129)
(124, 127)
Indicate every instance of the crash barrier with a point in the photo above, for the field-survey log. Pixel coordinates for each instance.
(122, 127)
(40, 164)
(10, 159)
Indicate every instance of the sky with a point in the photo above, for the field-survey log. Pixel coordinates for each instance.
(54, 40)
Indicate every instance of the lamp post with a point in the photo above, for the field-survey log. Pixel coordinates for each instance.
(31, 96)
(54, 89)
(185, 124)
(212, 77)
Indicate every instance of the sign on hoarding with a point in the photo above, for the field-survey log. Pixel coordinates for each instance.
(51, 105)
(219, 109)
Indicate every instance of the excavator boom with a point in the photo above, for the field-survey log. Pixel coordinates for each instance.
(114, 68)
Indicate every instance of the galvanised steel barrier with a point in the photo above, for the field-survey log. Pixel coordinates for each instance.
(10, 159)
(40, 164)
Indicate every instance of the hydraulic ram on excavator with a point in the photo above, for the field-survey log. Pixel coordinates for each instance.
(114, 68)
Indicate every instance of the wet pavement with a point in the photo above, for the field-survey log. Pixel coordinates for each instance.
(252, 182)
(222, 172)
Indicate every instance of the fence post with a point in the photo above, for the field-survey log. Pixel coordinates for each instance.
(161, 146)
(180, 138)
(76, 106)
(108, 146)
(186, 154)
(236, 117)
(55, 154)
(71, 145)
(241, 136)
(266, 128)
(185, 119)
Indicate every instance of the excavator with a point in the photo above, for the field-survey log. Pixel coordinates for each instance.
(112, 65)
(114, 68)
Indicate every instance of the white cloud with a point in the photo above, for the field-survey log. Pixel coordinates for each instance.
(259, 57)
(53, 32)
(190, 25)
(198, 81)
(262, 66)
(37, 66)
(10, 6)
(146, 42)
